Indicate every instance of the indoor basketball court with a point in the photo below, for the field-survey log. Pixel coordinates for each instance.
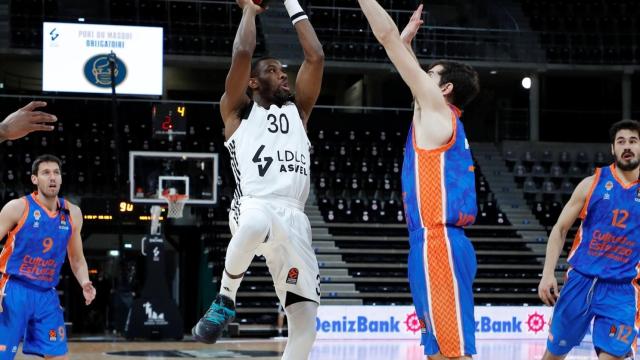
(271, 349)
(144, 152)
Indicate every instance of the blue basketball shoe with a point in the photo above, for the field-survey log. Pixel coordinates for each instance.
(209, 329)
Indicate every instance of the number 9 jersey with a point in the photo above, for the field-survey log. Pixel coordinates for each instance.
(270, 153)
(36, 248)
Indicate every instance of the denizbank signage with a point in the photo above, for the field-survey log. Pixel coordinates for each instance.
(401, 322)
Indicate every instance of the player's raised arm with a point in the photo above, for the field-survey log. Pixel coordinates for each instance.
(235, 86)
(309, 79)
(426, 91)
(76, 256)
(568, 216)
(26, 120)
(411, 30)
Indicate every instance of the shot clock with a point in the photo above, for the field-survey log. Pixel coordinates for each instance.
(169, 120)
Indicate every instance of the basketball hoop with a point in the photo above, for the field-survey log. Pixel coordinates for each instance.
(175, 204)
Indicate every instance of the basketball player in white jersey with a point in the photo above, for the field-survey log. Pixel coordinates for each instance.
(265, 129)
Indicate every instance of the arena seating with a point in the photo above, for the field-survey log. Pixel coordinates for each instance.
(587, 32)
(548, 174)
(346, 35)
(190, 27)
(590, 31)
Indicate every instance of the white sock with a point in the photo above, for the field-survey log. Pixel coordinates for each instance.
(229, 287)
(301, 322)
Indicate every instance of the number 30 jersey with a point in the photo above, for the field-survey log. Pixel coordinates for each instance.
(270, 153)
(607, 244)
(36, 247)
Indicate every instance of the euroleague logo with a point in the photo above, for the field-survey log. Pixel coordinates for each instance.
(292, 276)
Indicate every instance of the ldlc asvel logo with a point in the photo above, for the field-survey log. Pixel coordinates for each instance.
(98, 73)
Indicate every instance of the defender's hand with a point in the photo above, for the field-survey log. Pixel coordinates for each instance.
(409, 32)
(89, 292)
(25, 121)
(250, 5)
(548, 290)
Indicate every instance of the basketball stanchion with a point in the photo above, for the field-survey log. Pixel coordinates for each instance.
(155, 315)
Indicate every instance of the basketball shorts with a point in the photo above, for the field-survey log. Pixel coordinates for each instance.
(33, 316)
(442, 266)
(610, 305)
(287, 250)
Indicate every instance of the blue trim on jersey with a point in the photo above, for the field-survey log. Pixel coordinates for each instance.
(409, 191)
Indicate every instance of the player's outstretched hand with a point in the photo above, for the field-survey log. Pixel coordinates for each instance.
(251, 5)
(25, 121)
(548, 290)
(409, 32)
(89, 292)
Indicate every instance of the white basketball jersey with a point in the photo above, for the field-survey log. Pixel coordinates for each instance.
(270, 153)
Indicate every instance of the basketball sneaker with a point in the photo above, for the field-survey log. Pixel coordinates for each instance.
(209, 329)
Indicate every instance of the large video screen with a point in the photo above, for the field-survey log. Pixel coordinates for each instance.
(75, 58)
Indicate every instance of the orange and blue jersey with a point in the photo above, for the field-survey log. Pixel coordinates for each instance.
(440, 199)
(607, 244)
(30, 265)
(601, 284)
(36, 248)
(438, 186)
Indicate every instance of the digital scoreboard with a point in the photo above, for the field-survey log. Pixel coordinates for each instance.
(169, 120)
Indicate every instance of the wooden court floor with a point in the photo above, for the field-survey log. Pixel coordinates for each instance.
(271, 349)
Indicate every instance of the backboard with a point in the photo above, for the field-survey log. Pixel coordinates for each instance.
(191, 174)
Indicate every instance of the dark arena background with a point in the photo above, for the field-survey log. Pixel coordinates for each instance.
(554, 76)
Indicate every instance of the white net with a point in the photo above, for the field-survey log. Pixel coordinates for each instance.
(175, 205)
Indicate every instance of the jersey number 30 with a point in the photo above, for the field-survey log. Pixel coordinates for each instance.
(280, 124)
